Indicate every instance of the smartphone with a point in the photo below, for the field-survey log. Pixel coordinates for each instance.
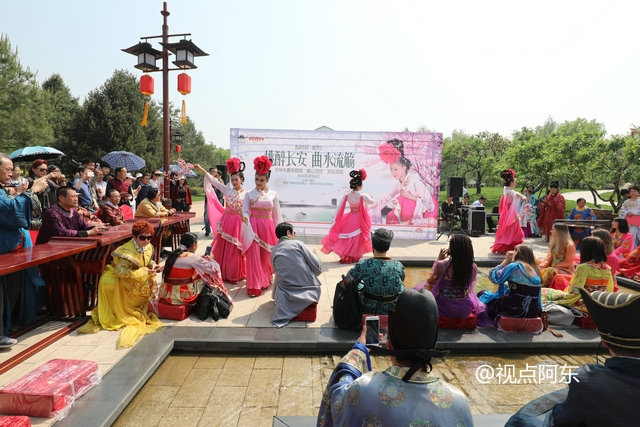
(207, 251)
(373, 330)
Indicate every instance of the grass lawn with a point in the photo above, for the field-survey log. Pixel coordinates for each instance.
(493, 195)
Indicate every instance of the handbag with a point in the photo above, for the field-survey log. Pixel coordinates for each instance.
(203, 303)
(222, 302)
(347, 308)
(215, 313)
(559, 315)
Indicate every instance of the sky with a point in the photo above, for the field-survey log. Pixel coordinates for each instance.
(355, 65)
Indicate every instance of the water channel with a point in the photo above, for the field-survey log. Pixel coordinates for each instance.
(245, 390)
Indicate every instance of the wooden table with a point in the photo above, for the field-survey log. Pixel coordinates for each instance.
(90, 264)
(178, 223)
(58, 269)
(585, 223)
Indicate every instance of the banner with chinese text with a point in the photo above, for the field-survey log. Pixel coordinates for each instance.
(310, 173)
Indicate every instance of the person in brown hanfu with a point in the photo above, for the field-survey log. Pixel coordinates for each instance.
(552, 207)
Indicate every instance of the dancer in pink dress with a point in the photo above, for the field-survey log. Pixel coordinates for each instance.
(349, 236)
(230, 242)
(509, 233)
(261, 209)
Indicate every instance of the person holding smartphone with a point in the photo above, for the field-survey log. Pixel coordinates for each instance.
(407, 392)
(125, 289)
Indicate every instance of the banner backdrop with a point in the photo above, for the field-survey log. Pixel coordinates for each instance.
(311, 169)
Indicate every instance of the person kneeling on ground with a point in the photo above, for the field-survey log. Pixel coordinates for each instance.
(185, 273)
(404, 394)
(296, 285)
(586, 402)
(382, 277)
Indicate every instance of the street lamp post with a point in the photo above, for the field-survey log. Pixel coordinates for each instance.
(184, 51)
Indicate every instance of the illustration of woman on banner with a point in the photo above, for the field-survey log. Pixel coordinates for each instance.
(349, 236)
(410, 200)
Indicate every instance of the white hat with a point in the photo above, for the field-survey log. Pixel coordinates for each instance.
(128, 175)
(138, 175)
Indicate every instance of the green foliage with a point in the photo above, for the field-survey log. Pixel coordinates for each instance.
(24, 107)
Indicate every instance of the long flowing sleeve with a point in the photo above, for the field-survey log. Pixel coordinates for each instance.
(350, 368)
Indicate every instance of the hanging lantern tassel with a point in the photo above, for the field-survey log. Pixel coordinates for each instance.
(145, 115)
(184, 87)
(183, 115)
(146, 88)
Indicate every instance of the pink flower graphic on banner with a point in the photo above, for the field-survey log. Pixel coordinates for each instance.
(388, 153)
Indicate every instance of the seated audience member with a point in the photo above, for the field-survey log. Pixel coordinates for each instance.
(586, 403)
(382, 277)
(582, 212)
(62, 219)
(612, 259)
(82, 184)
(629, 267)
(151, 207)
(593, 274)
(560, 256)
(518, 293)
(449, 207)
(296, 285)
(143, 186)
(453, 280)
(407, 393)
(16, 217)
(479, 204)
(111, 213)
(622, 238)
(125, 289)
(185, 273)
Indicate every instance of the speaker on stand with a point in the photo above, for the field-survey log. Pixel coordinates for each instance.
(454, 188)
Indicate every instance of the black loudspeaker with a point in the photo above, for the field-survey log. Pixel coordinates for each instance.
(455, 187)
(223, 173)
(478, 222)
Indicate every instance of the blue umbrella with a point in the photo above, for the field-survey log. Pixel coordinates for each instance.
(29, 154)
(124, 158)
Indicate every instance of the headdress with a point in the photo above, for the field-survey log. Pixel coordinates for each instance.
(262, 165)
(363, 174)
(234, 165)
(413, 330)
(616, 316)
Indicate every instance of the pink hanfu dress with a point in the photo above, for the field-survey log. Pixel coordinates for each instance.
(509, 233)
(350, 234)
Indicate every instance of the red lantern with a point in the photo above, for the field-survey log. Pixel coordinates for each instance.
(184, 83)
(178, 149)
(146, 85)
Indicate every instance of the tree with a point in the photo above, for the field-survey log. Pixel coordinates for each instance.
(110, 121)
(65, 109)
(24, 110)
(474, 155)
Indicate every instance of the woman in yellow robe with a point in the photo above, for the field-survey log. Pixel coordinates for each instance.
(125, 289)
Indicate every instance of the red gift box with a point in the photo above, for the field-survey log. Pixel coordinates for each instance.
(520, 324)
(169, 311)
(15, 421)
(585, 322)
(50, 390)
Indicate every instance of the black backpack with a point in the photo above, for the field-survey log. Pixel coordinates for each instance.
(347, 309)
